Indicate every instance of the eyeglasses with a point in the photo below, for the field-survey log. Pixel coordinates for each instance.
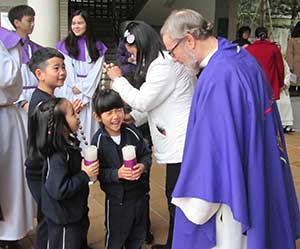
(171, 52)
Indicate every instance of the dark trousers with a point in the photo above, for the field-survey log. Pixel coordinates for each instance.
(173, 170)
(125, 223)
(70, 236)
(41, 234)
(41, 237)
(148, 221)
(1, 216)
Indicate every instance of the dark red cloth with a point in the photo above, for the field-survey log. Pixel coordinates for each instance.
(270, 58)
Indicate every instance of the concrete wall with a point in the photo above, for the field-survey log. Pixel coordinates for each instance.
(63, 18)
(154, 12)
(5, 5)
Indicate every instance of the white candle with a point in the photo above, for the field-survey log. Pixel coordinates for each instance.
(129, 156)
(90, 154)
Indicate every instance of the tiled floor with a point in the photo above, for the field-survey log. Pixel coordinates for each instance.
(159, 213)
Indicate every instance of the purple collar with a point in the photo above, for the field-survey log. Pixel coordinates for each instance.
(81, 43)
(26, 43)
(10, 39)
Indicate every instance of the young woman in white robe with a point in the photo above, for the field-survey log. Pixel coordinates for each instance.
(84, 57)
(15, 198)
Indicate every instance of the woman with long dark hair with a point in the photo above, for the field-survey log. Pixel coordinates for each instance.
(164, 98)
(84, 57)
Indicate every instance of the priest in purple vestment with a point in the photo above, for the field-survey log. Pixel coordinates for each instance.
(235, 189)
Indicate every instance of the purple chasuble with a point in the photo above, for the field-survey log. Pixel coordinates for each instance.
(81, 42)
(232, 156)
(25, 49)
(9, 39)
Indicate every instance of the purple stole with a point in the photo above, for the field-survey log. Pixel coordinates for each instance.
(81, 42)
(25, 49)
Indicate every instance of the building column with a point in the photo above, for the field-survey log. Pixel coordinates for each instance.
(233, 19)
(46, 31)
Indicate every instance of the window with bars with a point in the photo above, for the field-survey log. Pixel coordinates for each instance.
(104, 9)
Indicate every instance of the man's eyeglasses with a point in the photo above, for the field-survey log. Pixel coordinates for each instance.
(171, 52)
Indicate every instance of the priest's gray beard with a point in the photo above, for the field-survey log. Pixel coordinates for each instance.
(193, 65)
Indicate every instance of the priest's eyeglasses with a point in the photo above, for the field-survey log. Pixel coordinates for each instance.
(171, 52)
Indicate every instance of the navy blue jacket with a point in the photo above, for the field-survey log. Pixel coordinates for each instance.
(65, 190)
(111, 159)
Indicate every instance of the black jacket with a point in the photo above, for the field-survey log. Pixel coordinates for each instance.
(111, 159)
(65, 187)
(34, 166)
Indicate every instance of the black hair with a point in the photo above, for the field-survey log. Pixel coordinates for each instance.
(296, 31)
(40, 57)
(242, 30)
(136, 82)
(46, 129)
(261, 33)
(148, 43)
(17, 13)
(106, 100)
(71, 40)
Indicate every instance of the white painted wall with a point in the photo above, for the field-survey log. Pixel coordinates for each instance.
(154, 12)
(47, 20)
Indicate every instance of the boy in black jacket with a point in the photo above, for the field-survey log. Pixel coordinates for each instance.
(47, 64)
(125, 188)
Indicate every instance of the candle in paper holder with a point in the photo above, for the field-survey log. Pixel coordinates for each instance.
(129, 156)
(90, 154)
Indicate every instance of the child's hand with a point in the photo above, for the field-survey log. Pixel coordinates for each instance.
(91, 170)
(137, 171)
(125, 173)
(77, 105)
(26, 107)
(131, 59)
(75, 90)
(131, 174)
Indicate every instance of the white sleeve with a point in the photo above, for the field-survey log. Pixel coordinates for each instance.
(140, 118)
(287, 74)
(196, 210)
(160, 83)
(9, 68)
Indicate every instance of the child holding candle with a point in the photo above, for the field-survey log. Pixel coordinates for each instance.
(125, 187)
(47, 64)
(52, 132)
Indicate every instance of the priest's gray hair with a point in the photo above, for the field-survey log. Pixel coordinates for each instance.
(186, 21)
